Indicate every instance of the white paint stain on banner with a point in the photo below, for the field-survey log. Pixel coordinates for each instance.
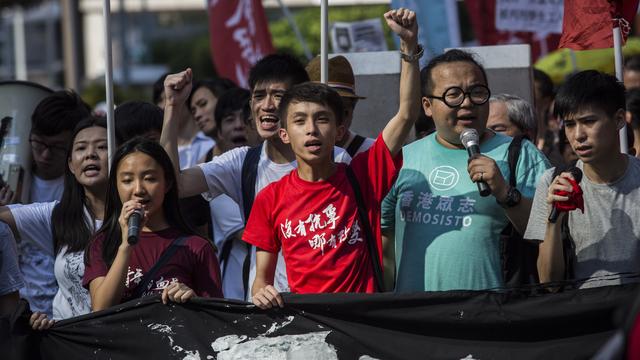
(311, 346)
(275, 326)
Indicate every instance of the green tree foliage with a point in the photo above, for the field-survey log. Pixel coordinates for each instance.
(179, 54)
(308, 20)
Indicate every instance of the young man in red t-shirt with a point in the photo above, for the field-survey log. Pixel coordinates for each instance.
(312, 213)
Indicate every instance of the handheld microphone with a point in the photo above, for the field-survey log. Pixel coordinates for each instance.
(471, 141)
(133, 233)
(577, 176)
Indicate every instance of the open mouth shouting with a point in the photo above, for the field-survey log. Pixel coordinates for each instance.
(313, 146)
(269, 122)
(91, 170)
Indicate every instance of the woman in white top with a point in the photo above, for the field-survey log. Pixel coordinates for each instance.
(63, 229)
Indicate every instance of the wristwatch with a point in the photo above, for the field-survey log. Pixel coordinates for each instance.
(513, 198)
(419, 51)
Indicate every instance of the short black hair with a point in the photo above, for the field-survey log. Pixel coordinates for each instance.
(136, 118)
(424, 124)
(632, 63)
(278, 67)
(231, 101)
(546, 85)
(633, 106)
(589, 89)
(217, 86)
(314, 93)
(58, 112)
(158, 88)
(453, 55)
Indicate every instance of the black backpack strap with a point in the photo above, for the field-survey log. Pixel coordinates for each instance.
(357, 141)
(518, 256)
(249, 176)
(366, 225)
(513, 155)
(166, 255)
(226, 251)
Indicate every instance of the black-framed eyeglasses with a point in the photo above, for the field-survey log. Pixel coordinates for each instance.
(39, 146)
(454, 96)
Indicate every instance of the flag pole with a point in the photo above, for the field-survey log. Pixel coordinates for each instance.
(324, 52)
(617, 54)
(108, 80)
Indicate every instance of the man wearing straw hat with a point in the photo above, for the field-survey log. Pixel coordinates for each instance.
(341, 79)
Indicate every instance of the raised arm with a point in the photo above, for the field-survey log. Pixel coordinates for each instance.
(177, 88)
(403, 22)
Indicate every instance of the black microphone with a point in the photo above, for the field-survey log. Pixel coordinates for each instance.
(471, 141)
(134, 226)
(577, 176)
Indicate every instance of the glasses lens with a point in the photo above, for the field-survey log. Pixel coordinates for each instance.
(479, 94)
(453, 96)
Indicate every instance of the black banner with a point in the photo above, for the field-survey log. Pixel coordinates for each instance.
(444, 325)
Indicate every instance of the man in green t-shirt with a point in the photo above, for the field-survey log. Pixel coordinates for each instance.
(446, 235)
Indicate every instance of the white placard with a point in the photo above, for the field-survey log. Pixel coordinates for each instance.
(358, 36)
(539, 16)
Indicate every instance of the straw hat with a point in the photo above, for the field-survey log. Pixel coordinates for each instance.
(341, 76)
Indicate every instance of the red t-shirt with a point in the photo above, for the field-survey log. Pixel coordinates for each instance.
(194, 264)
(317, 224)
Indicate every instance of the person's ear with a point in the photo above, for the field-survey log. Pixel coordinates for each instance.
(426, 106)
(341, 131)
(284, 136)
(70, 167)
(620, 118)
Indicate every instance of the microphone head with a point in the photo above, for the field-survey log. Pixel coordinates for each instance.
(469, 137)
(576, 173)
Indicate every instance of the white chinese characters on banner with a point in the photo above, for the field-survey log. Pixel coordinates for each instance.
(538, 16)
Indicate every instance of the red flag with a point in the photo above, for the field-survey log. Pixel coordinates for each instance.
(482, 14)
(588, 24)
(239, 37)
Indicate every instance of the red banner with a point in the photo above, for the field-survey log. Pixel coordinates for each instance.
(239, 37)
(482, 14)
(588, 24)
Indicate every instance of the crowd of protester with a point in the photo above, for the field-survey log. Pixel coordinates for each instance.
(245, 194)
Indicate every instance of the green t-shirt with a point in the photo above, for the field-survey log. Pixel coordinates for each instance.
(446, 235)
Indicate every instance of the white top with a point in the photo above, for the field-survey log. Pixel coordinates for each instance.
(224, 173)
(52, 286)
(366, 144)
(46, 190)
(227, 220)
(224, 176)
(192, 154)
(10, 276)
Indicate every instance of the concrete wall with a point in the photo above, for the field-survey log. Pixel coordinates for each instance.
(508, 70)
(377, 78)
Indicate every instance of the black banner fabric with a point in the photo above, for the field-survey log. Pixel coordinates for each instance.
(445, 325)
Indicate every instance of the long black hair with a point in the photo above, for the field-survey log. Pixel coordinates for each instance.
(69, 224)
(113, 205)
